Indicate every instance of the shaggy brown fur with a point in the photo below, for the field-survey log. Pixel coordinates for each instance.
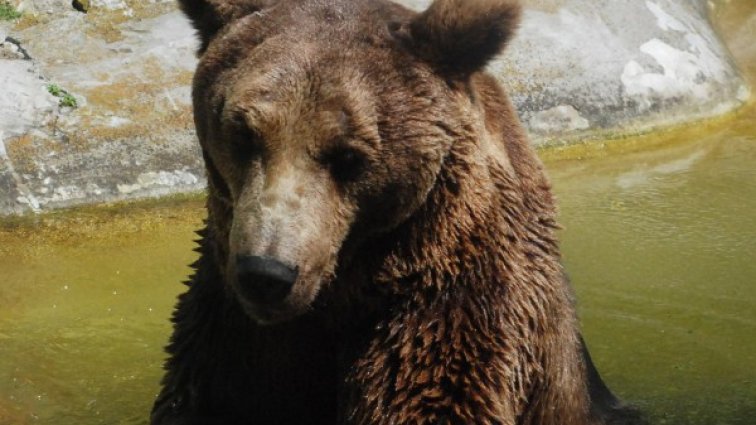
(358, 143)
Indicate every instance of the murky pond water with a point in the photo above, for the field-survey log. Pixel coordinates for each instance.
(659, 239)
(84, 304)
(661, 248)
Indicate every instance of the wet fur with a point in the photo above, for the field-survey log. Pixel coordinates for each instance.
(458, 313)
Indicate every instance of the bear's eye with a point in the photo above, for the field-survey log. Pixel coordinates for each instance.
(345, 164)
(246, 144)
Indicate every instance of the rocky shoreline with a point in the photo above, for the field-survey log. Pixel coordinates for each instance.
(95, 102)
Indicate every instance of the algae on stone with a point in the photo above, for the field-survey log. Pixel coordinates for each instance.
(67, 100)
(8, 12)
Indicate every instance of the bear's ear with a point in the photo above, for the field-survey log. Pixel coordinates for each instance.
(209, 16)
(459, 37)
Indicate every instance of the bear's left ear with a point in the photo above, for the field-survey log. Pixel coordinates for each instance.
(209, 16)
(460, 37)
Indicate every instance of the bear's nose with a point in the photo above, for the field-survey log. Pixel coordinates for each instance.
(265, 280)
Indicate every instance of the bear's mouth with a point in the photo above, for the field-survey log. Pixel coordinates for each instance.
(268, 314)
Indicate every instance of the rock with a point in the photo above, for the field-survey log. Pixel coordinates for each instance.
(25, 103)
(109, 4)
(559, 119)
(577, 67)
(49, 7)
(57, 7)
(625, 66)
(10, 48)
(132, 133)
(8, 187)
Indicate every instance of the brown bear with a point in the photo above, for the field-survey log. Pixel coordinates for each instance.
(380, 244)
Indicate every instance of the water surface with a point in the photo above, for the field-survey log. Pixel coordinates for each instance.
(84, 304)
(661, 248)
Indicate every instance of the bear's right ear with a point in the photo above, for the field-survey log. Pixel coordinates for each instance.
(460, 37)
(209, 16)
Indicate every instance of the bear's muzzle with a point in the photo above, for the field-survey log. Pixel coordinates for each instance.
(264, 280)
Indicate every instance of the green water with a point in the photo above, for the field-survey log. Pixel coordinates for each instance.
(659, 240)
(661, 248)
(84, 306)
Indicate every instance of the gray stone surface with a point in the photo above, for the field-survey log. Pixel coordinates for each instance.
(617, 66)
(10, 198)
(41, 6)
(577, 68)
(66, 6)
(24, 101)
(131, 135)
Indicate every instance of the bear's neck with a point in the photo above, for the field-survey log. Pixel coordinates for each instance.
(481, 222)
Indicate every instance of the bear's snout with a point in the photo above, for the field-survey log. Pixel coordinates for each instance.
(264, 280)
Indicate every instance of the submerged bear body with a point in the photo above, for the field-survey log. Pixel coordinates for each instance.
(380, 244)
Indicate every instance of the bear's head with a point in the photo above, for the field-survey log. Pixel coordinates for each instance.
(324, 123)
